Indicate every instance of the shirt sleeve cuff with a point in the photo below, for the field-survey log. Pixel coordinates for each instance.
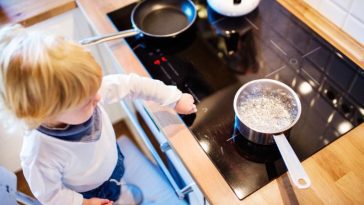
(78, 199)
(173, 98)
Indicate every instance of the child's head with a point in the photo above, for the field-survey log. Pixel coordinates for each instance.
(42, 76)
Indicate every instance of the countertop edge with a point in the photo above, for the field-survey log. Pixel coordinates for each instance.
(327, 30)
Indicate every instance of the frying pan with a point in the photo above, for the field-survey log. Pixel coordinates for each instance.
(265, 109)
(156, 19)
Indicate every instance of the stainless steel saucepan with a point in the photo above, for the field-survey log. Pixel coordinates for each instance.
(266, 109)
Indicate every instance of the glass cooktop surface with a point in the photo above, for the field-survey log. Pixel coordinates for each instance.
(218, 54)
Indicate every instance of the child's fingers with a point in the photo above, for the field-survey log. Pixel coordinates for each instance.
(192, 110)
(106, 202)
(195, 109)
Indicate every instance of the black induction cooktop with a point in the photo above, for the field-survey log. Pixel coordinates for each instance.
(218, 54)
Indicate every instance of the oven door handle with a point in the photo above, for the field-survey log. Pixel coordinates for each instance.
(180, 192)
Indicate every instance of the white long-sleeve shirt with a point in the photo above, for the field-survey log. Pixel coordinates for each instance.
(56, 170)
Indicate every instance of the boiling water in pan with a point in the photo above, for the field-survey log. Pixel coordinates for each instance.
(267, 111)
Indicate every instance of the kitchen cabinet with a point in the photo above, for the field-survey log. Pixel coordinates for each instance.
(172, 166)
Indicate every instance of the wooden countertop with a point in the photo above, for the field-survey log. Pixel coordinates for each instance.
(336, 171)
(29, 12)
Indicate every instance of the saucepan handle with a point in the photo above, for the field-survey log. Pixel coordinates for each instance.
(108, 37)
(295, 169)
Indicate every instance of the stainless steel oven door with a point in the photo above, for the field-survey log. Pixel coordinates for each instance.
(190, 186)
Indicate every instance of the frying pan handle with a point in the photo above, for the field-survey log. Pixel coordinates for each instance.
(295, 169)
(108, 37)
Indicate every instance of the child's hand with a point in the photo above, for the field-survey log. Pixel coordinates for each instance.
(96, 201)
(185, 104)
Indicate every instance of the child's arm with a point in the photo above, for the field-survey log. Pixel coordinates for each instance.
(118, 86)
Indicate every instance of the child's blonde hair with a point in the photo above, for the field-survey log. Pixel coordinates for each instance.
(44, 75)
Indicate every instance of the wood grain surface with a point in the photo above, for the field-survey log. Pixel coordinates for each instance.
(29, 12)
(336, 173)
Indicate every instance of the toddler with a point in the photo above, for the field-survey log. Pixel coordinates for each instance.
(70, 154)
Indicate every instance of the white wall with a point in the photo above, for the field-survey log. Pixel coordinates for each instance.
(346, 14)
(73, 25)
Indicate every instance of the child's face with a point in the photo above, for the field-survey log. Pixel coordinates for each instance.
(79, 114)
